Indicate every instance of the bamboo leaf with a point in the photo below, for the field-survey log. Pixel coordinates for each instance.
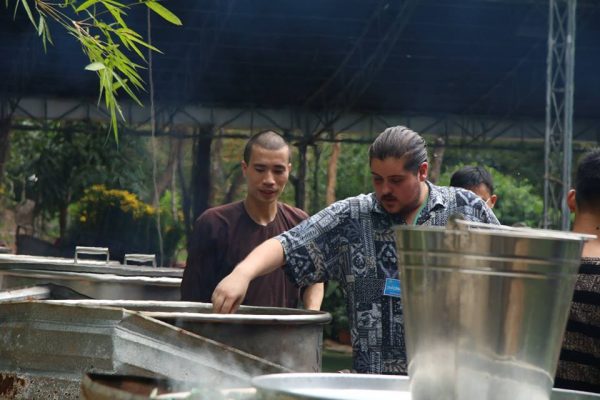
(40, 28)
(135, 39)
(85, 5)
(95, 66)
(163, 12)
(116, 13)
(27, 10)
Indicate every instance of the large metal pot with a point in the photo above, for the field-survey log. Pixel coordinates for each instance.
(95, 279)
(289, 337)
(485, 308)
(46, 346)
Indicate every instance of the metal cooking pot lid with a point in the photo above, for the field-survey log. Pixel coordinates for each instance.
(335, 386)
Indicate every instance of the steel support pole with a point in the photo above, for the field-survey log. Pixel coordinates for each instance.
(559, 112)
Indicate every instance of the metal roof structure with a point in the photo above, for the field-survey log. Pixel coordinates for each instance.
(475, 57)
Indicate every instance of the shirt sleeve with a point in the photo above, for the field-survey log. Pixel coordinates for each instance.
(202, 267)
(310, 248)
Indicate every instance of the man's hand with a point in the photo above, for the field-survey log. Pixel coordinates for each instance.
(230, 293)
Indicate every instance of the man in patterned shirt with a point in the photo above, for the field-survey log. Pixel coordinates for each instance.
(352, 241)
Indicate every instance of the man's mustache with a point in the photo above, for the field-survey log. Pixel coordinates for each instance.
(388, 197)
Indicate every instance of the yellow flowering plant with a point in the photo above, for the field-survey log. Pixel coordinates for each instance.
(119, 220)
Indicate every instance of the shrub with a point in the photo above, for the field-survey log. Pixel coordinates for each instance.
(117, 219)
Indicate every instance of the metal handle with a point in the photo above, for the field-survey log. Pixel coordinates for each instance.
(91, 250)
(141, 258)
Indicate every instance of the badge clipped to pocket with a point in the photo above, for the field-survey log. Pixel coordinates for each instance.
(392, 287)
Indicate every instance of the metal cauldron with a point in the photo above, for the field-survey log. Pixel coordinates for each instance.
(94, 279)
(47, 346)
(485, 308)
(289, 337)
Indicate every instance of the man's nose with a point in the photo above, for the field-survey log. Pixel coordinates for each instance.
(269, 178)
(386, 188)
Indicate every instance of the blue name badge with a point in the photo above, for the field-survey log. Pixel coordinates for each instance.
(392, 287)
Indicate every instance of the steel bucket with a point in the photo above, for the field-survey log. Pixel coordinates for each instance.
(485, 308)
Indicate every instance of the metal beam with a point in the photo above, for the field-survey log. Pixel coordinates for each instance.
(34, 114)
(558, 148)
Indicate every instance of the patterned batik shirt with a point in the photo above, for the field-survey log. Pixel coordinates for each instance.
(352, 241)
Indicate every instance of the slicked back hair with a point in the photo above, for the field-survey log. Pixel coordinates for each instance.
(587, 181)
(400, 142)
(269, 140)
(472, 176)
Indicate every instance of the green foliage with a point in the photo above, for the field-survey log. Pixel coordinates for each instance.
(117, 219)
(100, 28)
(518, 201)
(334, 302)
(54, 167)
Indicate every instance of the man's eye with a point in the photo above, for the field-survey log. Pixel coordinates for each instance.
(259, 169)
(396, 181)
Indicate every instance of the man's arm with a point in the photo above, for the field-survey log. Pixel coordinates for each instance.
(313, 296)
(230, 292)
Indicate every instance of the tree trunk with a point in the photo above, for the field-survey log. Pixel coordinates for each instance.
(300, 181)
(332, 172)
(186, 201)
(216, 166)
(315, 193)
(436, 159)
(62, 224)
(5, 122)
(164, 181)
(236, 182)
(201, 172)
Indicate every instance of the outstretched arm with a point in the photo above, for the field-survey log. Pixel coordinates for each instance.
(313, 296)
(230, 292)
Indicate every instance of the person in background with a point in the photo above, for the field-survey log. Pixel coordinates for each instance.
(352, 241)
(478, 180)
(579, 364)
(224, 235)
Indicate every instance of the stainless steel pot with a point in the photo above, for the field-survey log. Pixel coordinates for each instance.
(289, 337)
(46, 346)
(95, 279)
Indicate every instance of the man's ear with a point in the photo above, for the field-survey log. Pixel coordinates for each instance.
(423, 169)
(571, 200)
(244, 167)
(493, 199)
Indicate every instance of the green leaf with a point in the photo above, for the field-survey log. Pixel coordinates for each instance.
(28, 11)
(95, 66)
(163, 12)
(40, 28)
(116, 13)
(85, 5)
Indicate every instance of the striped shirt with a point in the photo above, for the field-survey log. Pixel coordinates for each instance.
(579, 364)
(352, 241)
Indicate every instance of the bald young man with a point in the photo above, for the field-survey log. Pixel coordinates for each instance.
(224, 235)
